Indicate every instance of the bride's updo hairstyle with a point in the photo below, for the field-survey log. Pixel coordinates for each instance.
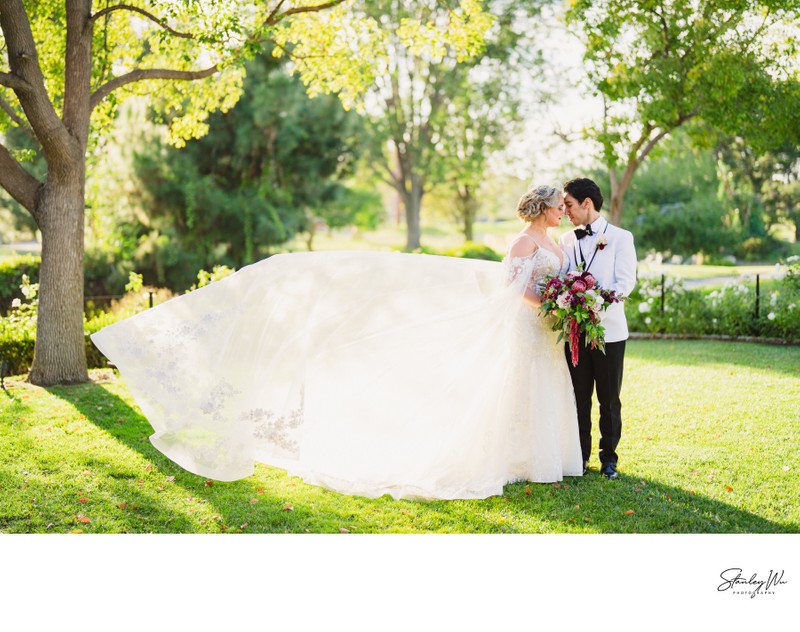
(536, 201)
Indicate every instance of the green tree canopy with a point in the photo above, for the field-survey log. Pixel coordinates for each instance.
(726, 65)
(250, 183)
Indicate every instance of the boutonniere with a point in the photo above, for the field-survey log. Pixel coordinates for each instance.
(602, 242)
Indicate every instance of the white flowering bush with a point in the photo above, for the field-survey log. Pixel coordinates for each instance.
(18, 329)
(729, 310)
(683, 311)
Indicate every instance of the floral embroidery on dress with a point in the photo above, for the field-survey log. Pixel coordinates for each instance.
(273, 428)
(214, 404)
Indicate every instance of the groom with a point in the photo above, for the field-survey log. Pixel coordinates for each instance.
(608, 253)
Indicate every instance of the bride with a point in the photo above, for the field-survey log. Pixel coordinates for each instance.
(368, 373)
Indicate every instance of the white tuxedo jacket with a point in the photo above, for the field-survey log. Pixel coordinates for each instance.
(614, 267)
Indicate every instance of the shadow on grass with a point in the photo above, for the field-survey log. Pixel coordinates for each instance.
(777, 359)
(272, 502)
(231, 502)
(634, 505)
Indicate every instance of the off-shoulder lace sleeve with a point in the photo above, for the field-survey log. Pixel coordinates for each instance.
(518, 272)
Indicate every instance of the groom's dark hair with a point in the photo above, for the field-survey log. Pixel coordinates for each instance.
(582, 188)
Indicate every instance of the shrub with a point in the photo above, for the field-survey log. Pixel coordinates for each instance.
(18, 329)
(473, 250)
(728, 310)
(467, 250)
(12, 271)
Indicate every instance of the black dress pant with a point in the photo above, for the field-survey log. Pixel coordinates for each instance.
(603, 371)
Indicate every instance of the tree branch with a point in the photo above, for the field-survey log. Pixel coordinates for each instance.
(15, 83)
(274, 19)
(21, 123)
(27, 81)
(654, 141)
(17, 181)
(147, 14)
(145, 74)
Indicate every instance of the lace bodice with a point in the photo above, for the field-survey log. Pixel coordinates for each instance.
(537, 266)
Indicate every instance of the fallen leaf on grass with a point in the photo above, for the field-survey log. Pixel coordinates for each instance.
(557, 485)
(83, 499)
(243, 525)
(630, 512)
(343, 530)
(260, 490)
(122, 506)
(77, 531)
(148, 467)
(669, 498)
(728, 488)
(83, 519)
(170, 479)
(527, 490)
(208, 483)
(287, 508)
(86, 473)
(253, 501)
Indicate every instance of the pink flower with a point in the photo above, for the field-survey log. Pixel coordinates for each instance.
(563, 301)
(589, 280)
(579, 286)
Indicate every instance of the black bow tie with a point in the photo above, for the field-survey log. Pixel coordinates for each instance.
(580, 233)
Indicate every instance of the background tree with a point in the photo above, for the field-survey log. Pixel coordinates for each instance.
(432, 56)
(781, 193)
(249, 184)
(67, 66)
(659, 65)
(485, 107)
(675, 205)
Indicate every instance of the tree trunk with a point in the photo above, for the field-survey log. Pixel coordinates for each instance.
(412, 200)
(617, 202)
(468, 210)
(60, 352)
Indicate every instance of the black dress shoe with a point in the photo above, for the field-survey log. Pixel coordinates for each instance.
(609, 470)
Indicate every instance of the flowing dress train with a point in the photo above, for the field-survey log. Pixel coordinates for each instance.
(367, 373)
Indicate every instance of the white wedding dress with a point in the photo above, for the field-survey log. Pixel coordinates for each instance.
(367, 373)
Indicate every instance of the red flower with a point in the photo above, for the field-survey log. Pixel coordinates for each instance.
(579, 285)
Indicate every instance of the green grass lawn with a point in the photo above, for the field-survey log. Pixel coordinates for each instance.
(710, 445)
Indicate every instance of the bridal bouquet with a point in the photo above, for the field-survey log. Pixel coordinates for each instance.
(575, 301)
